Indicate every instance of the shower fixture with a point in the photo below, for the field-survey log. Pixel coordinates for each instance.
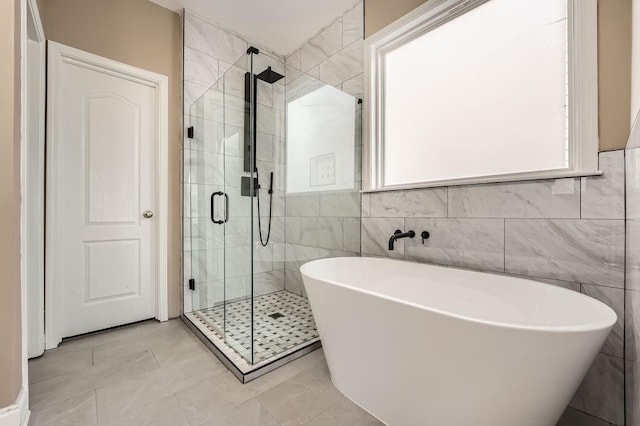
(270, 76)
(250, 186)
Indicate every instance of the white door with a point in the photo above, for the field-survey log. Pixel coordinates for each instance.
(105, 134)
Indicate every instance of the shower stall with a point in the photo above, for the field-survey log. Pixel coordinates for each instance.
(272, 179)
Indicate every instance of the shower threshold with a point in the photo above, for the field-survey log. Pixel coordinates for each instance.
(283, 331)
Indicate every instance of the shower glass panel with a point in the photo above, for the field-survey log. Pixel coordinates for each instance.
(237, 308)
(272, 176)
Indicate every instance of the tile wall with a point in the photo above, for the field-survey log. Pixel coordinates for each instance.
(632, 319)
(327, 224)
(568, 232)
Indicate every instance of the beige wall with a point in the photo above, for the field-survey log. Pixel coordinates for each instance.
(142, 34)
(380, 13)
(614, 72)
(10, 326)
(614, 60)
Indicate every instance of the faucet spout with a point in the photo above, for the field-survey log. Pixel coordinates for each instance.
(399, 234)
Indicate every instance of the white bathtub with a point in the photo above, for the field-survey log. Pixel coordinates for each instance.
(417, 344)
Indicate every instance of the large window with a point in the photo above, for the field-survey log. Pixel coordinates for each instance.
(481, 91)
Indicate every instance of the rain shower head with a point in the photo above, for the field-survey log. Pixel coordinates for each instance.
(270, 76)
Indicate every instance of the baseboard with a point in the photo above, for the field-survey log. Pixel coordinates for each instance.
(23, 406)
(10, 416)
(16, 414)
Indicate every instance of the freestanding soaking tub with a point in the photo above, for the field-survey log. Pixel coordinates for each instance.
(417, 344)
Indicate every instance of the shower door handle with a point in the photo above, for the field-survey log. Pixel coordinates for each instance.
(213, 208)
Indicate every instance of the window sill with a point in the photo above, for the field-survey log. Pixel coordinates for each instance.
(511, 178)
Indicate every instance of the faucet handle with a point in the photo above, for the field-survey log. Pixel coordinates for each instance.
(425, 236)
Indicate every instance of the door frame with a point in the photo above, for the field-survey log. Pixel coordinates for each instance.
(30, 315)
(19, 413)
(57, 55)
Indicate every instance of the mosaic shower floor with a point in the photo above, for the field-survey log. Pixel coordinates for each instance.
(283, 323)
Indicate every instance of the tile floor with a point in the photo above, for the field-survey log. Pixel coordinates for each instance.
(161, 374)
(273, 336)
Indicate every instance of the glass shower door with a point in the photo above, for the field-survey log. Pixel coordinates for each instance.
(218, 254)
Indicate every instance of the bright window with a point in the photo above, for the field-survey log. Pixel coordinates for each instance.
(481, 91)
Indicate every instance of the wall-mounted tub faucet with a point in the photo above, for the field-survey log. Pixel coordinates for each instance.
(399, 234)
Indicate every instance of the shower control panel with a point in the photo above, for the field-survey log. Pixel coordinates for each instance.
(245, 186)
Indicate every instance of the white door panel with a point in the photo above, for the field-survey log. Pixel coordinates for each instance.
(106, 130)
(112, 192)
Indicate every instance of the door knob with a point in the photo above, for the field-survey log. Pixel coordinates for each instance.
(147, 214)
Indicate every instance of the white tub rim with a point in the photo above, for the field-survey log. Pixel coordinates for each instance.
(609, 317)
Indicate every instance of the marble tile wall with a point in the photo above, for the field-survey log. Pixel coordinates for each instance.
(214, 106)
(632, 299)
(335, 55)
(326, 224)
(568, 232)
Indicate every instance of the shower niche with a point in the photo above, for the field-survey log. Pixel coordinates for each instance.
(271, 181)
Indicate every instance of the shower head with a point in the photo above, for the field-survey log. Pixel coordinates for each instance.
(270, 76)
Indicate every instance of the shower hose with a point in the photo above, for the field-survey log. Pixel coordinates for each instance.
(264, 243)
